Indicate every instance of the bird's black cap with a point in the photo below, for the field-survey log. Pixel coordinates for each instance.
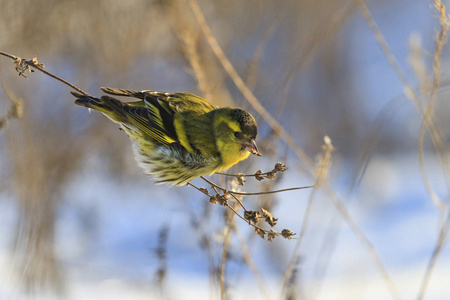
(246, 121)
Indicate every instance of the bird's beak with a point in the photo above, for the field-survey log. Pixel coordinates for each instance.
(251, 147)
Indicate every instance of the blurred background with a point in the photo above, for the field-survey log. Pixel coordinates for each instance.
(79, 219)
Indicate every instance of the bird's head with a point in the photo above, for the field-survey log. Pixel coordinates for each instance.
(245, 130)
(235, 133)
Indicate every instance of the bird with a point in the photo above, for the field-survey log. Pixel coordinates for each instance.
(177, 137)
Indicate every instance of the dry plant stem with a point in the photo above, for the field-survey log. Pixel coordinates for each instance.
(31, 64)
(433, 259)
(320, 179)
(440, 42)
(257, 193)
(245, 175)
(231, 208)
(276, 126)
(226, 241)
(250, 263)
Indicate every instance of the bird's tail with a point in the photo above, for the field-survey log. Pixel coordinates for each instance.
(88, 101)
(100, 105)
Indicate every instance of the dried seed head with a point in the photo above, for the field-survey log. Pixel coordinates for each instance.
(271, 235)
(222, 199)
(287, 233)
(269, 219)
(252, 216)
(258, 175)
(260, 232)
(240, 178)
(280, 167)
(270, 175)
(35, 62)
(213, 199)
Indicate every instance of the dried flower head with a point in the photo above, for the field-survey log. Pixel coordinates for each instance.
(213, 199)
(268, 217)
(240, 178)
(258, 175)
(287, 233)
(280, 167)
(222, 199)
(260, 232)
(270, 175)
(252, 216)
(271, 235)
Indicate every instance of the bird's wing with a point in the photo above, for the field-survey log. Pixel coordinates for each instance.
(182, 102)
(178, 116)
(151, 118)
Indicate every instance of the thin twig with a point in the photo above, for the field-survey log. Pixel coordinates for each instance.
(31, 63)
(273, 192)
(245, 175)
(204, 191)
(256, 193)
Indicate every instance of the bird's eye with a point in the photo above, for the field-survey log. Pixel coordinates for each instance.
(238, 134)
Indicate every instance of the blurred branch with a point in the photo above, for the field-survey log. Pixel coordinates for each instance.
(15, 110)
(161, 255)
(226, 240)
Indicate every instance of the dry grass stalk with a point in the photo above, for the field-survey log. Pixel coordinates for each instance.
(429, 115)
(441, 39)
(16, 109)
(229, 220)
(161, 255)
(323, 164)
(417, 62)
(437, 137)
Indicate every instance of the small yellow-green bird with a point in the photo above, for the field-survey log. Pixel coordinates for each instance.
(177, 137)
